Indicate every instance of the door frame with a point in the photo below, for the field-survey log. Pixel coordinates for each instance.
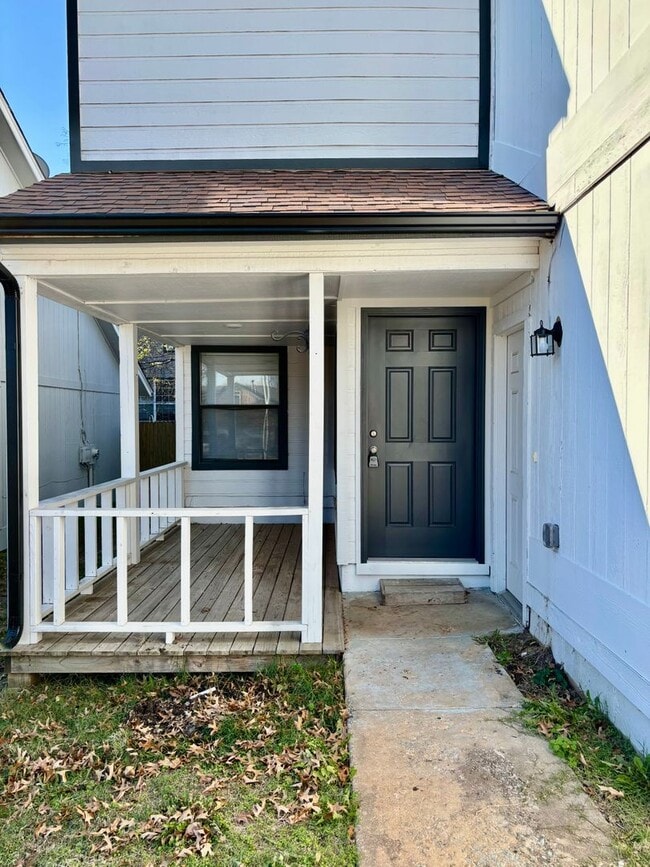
(501, 331)
(479, 314)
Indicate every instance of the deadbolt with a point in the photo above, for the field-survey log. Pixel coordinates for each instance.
(373, 433)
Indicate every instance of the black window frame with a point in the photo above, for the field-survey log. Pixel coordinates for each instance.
(201, 463)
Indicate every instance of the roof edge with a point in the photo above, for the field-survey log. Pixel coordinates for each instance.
(543, 223)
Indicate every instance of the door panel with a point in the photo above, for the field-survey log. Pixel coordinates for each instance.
(422, 389)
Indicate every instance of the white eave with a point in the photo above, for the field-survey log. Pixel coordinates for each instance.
(14, 145)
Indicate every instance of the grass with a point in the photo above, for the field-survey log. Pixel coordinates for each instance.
(578, 731)
(143, 771)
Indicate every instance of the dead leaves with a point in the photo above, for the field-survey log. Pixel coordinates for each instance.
(611, 793)
(232, 732)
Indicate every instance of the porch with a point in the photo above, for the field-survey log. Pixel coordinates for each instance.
(219, 570)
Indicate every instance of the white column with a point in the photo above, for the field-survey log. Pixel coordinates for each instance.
(312, 579)
(29, 386)
(180, 357)
(129, 428)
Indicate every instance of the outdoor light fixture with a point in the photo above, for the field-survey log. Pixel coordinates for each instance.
(543, 340)
(299, 335)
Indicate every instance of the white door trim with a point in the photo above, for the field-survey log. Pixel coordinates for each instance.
(501, 332)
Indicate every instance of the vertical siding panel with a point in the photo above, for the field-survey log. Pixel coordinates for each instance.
(600, 261)
(585, 30)
(600, 42)
(617, 325)
(596, 422)
(639, 18)
(573, 533)
(638, 321)
(570, 53)
(619, 35)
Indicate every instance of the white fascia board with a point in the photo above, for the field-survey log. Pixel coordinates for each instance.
(333, 256)
(14, 144)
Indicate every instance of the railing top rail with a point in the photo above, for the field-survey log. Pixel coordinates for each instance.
(175, 465)
(82, 494)
(220, 512)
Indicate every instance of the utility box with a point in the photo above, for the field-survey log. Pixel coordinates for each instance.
(88, 455)
(551, 536)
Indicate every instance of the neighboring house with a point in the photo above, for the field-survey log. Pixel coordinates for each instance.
(78, 378)
(417, 187)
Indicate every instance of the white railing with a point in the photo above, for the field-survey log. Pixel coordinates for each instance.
(157, 517)
(81, 547)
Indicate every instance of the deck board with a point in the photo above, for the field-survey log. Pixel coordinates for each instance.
(217, 594)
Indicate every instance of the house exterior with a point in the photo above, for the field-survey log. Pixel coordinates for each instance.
(78, 387)
(350, 222)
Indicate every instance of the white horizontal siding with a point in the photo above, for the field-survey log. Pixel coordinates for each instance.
(122, 94)
(211, 80)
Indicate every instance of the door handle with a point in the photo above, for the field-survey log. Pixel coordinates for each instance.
(373, 459)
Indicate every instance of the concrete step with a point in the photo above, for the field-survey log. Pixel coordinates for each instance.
(422, 591)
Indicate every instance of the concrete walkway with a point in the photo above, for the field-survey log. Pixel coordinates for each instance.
(443, 773)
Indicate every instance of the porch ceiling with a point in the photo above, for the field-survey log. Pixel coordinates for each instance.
(241, 308)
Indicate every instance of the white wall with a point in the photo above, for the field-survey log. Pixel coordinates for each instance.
(78, 385)
(213, 488)
(576, 141)
(304, 80)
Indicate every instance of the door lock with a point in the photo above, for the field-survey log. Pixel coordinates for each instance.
(373, 459)
(372, 433)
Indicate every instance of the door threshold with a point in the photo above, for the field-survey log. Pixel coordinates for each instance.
(423, 567)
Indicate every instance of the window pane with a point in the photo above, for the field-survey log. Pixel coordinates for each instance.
(240, 379)
(240, 434)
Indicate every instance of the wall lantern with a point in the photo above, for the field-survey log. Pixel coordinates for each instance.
(299, 335)
(543, 340)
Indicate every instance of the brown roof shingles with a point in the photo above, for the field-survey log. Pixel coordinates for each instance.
(279, 191)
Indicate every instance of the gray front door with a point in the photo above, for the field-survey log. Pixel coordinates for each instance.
(421, 434)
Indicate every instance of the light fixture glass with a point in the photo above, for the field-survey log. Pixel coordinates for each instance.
(544, 340)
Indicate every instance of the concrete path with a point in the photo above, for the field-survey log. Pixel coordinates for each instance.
(444, 774)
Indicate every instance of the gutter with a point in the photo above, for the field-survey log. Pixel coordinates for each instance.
(15, 562)
(40, 226)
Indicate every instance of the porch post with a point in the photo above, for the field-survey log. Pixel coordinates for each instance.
(179, 400)
(31, 481)
(312, 579)
(129, 429)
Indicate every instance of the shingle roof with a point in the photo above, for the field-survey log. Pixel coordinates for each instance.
(274, 191)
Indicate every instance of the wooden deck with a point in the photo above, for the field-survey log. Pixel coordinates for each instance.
(217, 594)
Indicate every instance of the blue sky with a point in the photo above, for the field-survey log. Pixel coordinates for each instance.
(33, 74)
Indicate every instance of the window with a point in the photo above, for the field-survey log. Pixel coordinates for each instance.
(239, 408)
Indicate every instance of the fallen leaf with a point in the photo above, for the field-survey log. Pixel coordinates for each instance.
(611, 793)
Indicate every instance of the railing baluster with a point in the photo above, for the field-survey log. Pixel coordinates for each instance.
(186, 576)
(106, 502)
(36, 568)
(155, 523)
(59, 570)
(72, 552)
(122, 570)
(145, 532)
(47, 583)
(163, 493)
(248, 569)
(171, 493)
(90, 540)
